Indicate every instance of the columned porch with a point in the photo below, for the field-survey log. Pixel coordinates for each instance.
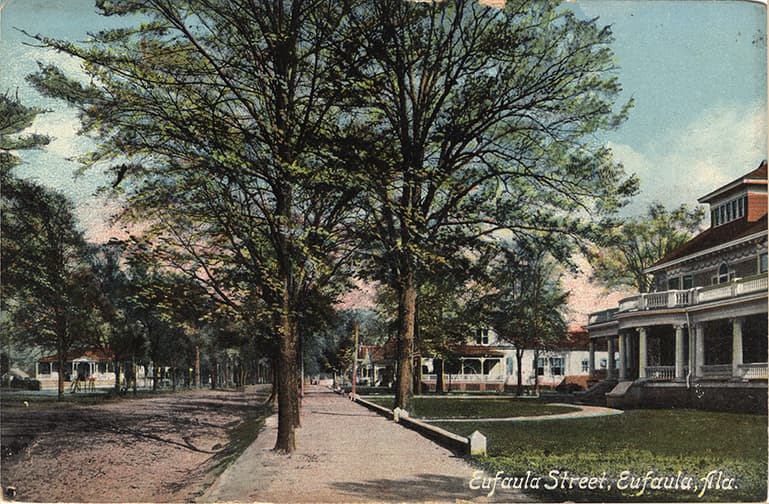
(665, 349)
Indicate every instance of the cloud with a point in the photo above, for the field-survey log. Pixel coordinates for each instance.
(721, 144)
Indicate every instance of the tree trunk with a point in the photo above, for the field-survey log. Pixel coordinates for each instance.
(117, 377)
(288, 384)
(407, 301)
(154, 377)
(214, 374)
(519, 359)
(60, 381)
(439, 368)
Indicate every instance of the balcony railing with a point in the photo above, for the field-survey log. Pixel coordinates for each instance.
(660, 372)
(754, 370)
(717, 371)
(464, 378)
(680, 298)
(602, 316)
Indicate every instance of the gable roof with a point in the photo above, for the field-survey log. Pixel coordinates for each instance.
(713, 238)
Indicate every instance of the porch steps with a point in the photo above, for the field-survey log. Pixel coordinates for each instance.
(620, 389)
(596, 394)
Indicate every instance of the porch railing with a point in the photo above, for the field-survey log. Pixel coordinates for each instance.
(688, 297)
(464, 377)
(716, 370)
(754, 370)
(660, 372)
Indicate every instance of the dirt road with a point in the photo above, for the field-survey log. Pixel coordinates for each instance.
(346, 453)
(158, 449)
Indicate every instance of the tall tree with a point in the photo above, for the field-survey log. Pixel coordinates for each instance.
(526, 302)
(216, 116)
(468, 120)
(624, 252)
(49, 288)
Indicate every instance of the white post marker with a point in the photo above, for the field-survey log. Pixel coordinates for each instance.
(477, 444)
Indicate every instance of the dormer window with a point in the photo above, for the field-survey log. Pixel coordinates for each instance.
(729, 211)
(482, 336)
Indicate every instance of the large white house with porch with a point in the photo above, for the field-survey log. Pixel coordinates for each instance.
(700, 338)
(487, 363)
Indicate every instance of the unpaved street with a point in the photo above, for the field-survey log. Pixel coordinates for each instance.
(157, 449)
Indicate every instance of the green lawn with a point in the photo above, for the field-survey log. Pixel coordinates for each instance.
(653, 443)
(480, 407)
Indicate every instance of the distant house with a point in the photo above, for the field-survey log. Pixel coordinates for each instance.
(487, 363)
(700, 339)
(90, 363)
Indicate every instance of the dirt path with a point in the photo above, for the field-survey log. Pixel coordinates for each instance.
(346, 453)
(157, 449)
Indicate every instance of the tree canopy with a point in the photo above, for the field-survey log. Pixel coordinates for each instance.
(624, 252)
(470, 120)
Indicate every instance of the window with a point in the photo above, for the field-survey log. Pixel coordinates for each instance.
(603, 363)
(728, 212)
(585, 366)
(556, 366)
(723, 273)
(713, 220)
(688, 282)
(482, 336)
(540, 366)
(674, 283)
(762, 266)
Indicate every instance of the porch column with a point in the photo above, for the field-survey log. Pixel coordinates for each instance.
(610, 367)
(642, 352)
(591, 359)
(737, 345)
(37, 369)
(680, 356)
(622, 355)
(699, 343)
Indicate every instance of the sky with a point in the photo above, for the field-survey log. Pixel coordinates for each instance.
(696, 70)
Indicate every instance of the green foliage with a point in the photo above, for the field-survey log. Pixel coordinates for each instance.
(624, 252)
(525, 304)
(49, 290)
(14, 119)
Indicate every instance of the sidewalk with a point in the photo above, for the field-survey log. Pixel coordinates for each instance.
(346, 453)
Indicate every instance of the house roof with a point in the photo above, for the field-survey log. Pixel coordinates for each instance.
(576, 339)
(475, 351)
(712, 238)
(94, 354)
(757, 176)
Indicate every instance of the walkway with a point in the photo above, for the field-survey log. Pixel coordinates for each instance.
(584, 411)
(346, 453)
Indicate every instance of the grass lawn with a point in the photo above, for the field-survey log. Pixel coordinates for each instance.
(663, 442)
(480, 407)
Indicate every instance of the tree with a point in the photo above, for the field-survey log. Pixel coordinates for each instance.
(49, 288)
(526, 304)
(216, 117)
(468, 120)
(624, 252)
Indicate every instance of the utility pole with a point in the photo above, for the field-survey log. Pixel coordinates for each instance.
(355, 357)
(197, 366)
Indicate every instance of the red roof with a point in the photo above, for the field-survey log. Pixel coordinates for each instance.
(715, 236)
(757, 176)
(475, 351)
(576, 339)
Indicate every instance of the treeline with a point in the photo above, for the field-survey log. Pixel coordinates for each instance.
(273, 151)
